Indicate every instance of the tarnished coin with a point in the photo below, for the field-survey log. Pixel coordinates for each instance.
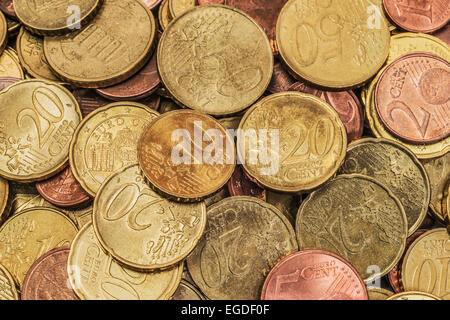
(37, 121)
(89, 100)
(425, 265)
(243, 240)
(287, 203)
(281, 80)
(186, 155)
(230, 123)
(187, 291)
(413, 295)
(168, 105)
(13, 27)
(212, 67)
(314, 275)
(7, 7)
(443, 34)
(178, 7)
(95, 275)
(4, 196)
(8, 290)
(240, 185)
(378, 293)
(3, 32)
(306, 147)
(332, 43)
(357, 218)
(117, 43)
(106, 141)
(29, 234)
(55, 17)
(10, 65)
(47, 278)
(164, 15)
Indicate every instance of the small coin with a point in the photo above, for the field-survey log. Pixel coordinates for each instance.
(47, 278)
(413, 295)
(10, 65)
(95, 275)
(281, 80)
(89, 100)
(314, 275)
(378, 293)
(7, 7)
(4, 196)
(187, 291)
(178, 7)
(7, 285)
(164, 15)
(240, 185)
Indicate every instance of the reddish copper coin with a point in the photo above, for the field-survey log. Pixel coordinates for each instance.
(418, 15)
(47, 279)
(5, 82)
(89, 100)
(314, 275)
(443, 34)
(412, 98)
(153, 102)
(63, 190)
(281, 80)
(152, 4)
(240, 185)
(7, 7)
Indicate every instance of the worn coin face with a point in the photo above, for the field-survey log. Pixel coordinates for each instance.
(95, 275)
(106, 141)
(8, 290)
(117, 43)
(10, 65)
(413, 295)
(243, 240)
(178, 7)
(29, 234)
(4, 195)
(187, 291)
(221, 65)
(311, 145)
(378, 293)
(37, 120)
(331, 43)
(357, 218)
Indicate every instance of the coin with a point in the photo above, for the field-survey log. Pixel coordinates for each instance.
(331, 43)
(89, 100)
(187, 291)
(218, 196)
(312, 142)
(3, 32)
(314, 275)
(7, 286)
(177, 160)
(10, 65)
(287, 203)
(151, 4)
(281, 80)
(168, 105)
(95, 275)
(106, 141)
(117, 43)
(13, 27)
(357, 218)
(164, 15)
(240, 185)
(443, 34)
(418, 16)
(378, 293)
(230, 123)
(55, 17)
(243, 240)
(7, 7)
(413, 295)
(178, 7)
(411, 98)
(29, 234)
(6, 82)
(212, 67)
(47, 278)
(38, 120)
(4, 196)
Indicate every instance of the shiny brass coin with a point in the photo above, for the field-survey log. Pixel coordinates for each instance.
(117, 43)
(106, 141)
(29, 234)
(331, 43)
(186, 155)
(159, 233)
(378, 293)
(10, 65)
(187, 291)
(413, 295)
(4, 196)
(311, 147)
(211, 66)
(357, 218)
(55, 17)
(178, 7)
(95, 275)
(425, 265)
(8, 290)
(398, 169)
(31, 55)
(37, 121)
(164, 15)
(243, 240)
(3, 32)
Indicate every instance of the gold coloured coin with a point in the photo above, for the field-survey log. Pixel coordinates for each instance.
(3, 32)
(8, 290)
(95, 275)
(357, 218)
(13, 27)
(243, 240)
(55, 17)
(186, 155)
(378, 293)
(331, 43)
(215, 59)
(29, 234)
(425, 265)
(10, 65)
(106, 141)
(4, 196)
(37, 121)
(178, 7)
(117, 43)
(187, 291)
(413, 295)
(159, 233)
(311, 147)
(164, 15)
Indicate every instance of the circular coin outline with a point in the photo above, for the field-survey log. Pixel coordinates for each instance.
(11, 280)
(413, 293)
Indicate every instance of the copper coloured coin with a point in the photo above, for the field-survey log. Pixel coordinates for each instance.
(7, 7)
(314, 275)
(47, 279)
(281, 80)
(412, 98)
(63, 190)
(240, 185)
(152, 4)
(418, 15)
(443, 34)
(89, 100)
(5, 82)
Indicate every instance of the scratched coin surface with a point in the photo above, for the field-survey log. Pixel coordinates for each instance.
(357, 218)
(221, 65)
(413, 295)
(10, 65)
(47, 278)
(186, 155)
(37, 121)
(117, 43)
(106, 141)
(307, 142)
(378, 293)
(95, 275)
(4, 196)
(398, 169)
(8, 290)
(187, 291)
(332, 43)
(314, 275)
(29, 234)
(159, 233)
(178, 7)
(243, 240)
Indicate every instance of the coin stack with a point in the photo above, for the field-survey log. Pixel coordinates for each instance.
(218, 149)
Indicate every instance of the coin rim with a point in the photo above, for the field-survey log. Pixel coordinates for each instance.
(191, 287)
(14, 56)
(12, 282)
(407, 293)
(172, 10)
(4, 35)
(4, 200)
(162, 22)
(382, 291)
